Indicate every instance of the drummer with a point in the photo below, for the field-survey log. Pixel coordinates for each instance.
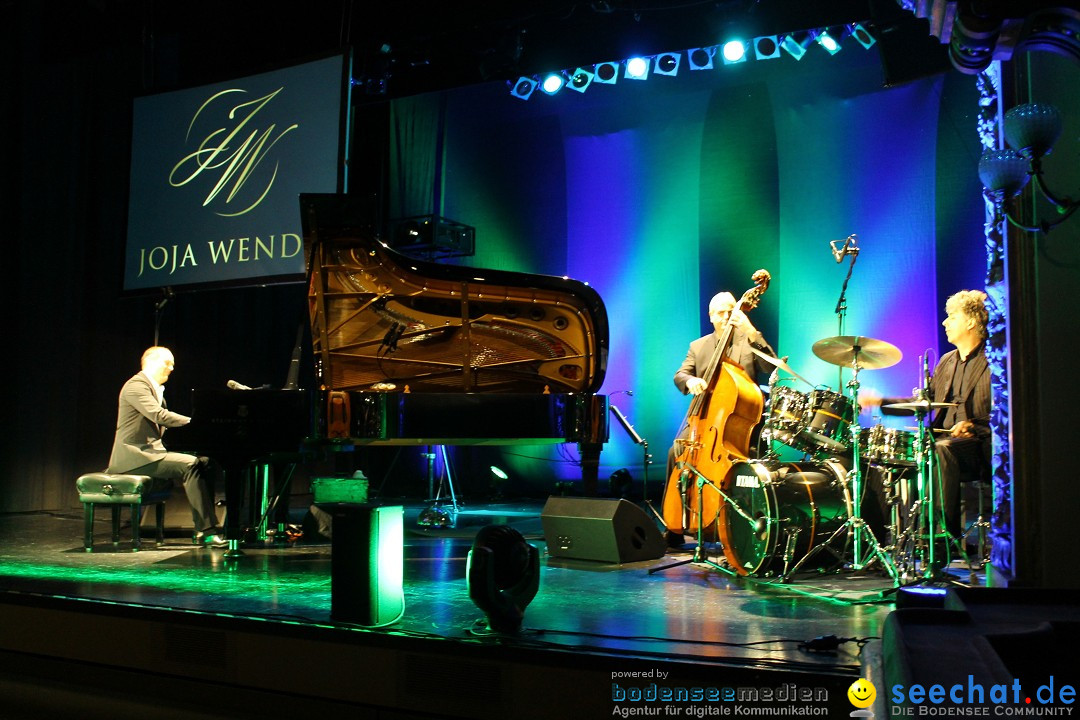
(962, 378)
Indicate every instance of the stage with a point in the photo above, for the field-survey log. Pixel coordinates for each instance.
(179, 631)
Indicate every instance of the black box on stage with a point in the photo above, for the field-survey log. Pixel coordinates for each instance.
(615, 531)
(366, 563)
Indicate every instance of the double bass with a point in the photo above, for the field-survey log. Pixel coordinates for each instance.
(717, 428)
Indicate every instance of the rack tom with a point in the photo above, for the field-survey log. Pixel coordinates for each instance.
(827, 421)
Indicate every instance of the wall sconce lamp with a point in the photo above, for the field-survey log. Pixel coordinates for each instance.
(1030, 132)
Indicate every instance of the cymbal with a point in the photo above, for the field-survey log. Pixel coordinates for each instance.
(780, 364)
(867, 353)
(920, 405)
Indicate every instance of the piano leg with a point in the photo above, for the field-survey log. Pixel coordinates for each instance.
(590, 468)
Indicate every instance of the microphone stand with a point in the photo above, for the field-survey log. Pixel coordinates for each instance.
(647, 459)
(159, 306)
(851, 249)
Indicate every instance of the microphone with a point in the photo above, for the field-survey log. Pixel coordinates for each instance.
(839, 253)
(233, 385)
(849, 248)
(926, 368)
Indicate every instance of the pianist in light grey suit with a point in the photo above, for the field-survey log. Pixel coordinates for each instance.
(138, 449)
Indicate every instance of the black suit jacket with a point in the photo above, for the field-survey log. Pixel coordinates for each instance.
(975, 395)
(701, 350)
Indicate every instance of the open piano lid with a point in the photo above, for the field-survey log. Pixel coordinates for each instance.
(381, 320)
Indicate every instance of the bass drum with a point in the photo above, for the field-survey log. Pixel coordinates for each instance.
(775, 510)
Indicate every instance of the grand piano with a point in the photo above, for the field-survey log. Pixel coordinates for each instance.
(409, 352)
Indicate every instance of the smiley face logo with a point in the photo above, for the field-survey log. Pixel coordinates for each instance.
(862, 693)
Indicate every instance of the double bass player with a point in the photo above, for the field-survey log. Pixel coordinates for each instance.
(724, 315)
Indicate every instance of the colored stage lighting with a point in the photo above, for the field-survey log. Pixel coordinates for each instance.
(637, 68)
(580, 80)
(667, 64)
(523, 87)
(766, 47)
(503, 573)
(795, 44)
(861, 35)
(829, 39)
(607, 72)
(734, 51)
(553, 83)
(701, 58)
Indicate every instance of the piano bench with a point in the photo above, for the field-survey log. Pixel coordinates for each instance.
(135, 491)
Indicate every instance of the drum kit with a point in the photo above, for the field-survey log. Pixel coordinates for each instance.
(780, 518)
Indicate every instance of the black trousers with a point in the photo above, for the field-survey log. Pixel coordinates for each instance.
(959, 460)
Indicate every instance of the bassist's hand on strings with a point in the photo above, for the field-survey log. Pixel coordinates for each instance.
(696, 386)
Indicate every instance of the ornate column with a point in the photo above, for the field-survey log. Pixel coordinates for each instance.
(997, 342)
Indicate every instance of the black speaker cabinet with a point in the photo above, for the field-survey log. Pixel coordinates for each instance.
(366, 563)
(614, 531)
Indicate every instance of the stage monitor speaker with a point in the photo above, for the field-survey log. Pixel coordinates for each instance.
(614, 531)
(367, 563)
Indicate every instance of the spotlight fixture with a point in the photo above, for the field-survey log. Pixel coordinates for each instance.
(734, 51)
(523, 87)
(580, 80)
(1030, 131)
(701, 58)
(499, 472)
(637, 68)
(503, 573)
(766, 47)
(607, 72)
(795, 44)
(553, 83)
(620, 483)
(667, 64)
(829, 39)
(861, 35)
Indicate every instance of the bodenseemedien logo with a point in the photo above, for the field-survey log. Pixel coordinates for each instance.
(861, 694)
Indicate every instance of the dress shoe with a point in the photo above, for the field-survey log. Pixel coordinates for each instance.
(211, 537)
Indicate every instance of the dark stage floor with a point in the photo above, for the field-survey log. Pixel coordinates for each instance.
(173, 623)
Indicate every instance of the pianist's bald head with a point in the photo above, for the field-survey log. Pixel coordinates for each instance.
(158, 362)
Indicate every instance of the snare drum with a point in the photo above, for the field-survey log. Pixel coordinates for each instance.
(827, 420)
(888, 447)
(786, 408)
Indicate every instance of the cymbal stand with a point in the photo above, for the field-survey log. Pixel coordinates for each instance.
(699, 555)
(930, 515)
(861, 533)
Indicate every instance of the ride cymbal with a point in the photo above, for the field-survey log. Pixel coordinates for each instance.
(867, 353)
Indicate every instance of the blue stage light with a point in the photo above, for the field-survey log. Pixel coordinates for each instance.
(637, 68)
(734, 51)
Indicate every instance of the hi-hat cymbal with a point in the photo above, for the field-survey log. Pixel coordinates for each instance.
(780, 364)
(919, 405)
(866, 353)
